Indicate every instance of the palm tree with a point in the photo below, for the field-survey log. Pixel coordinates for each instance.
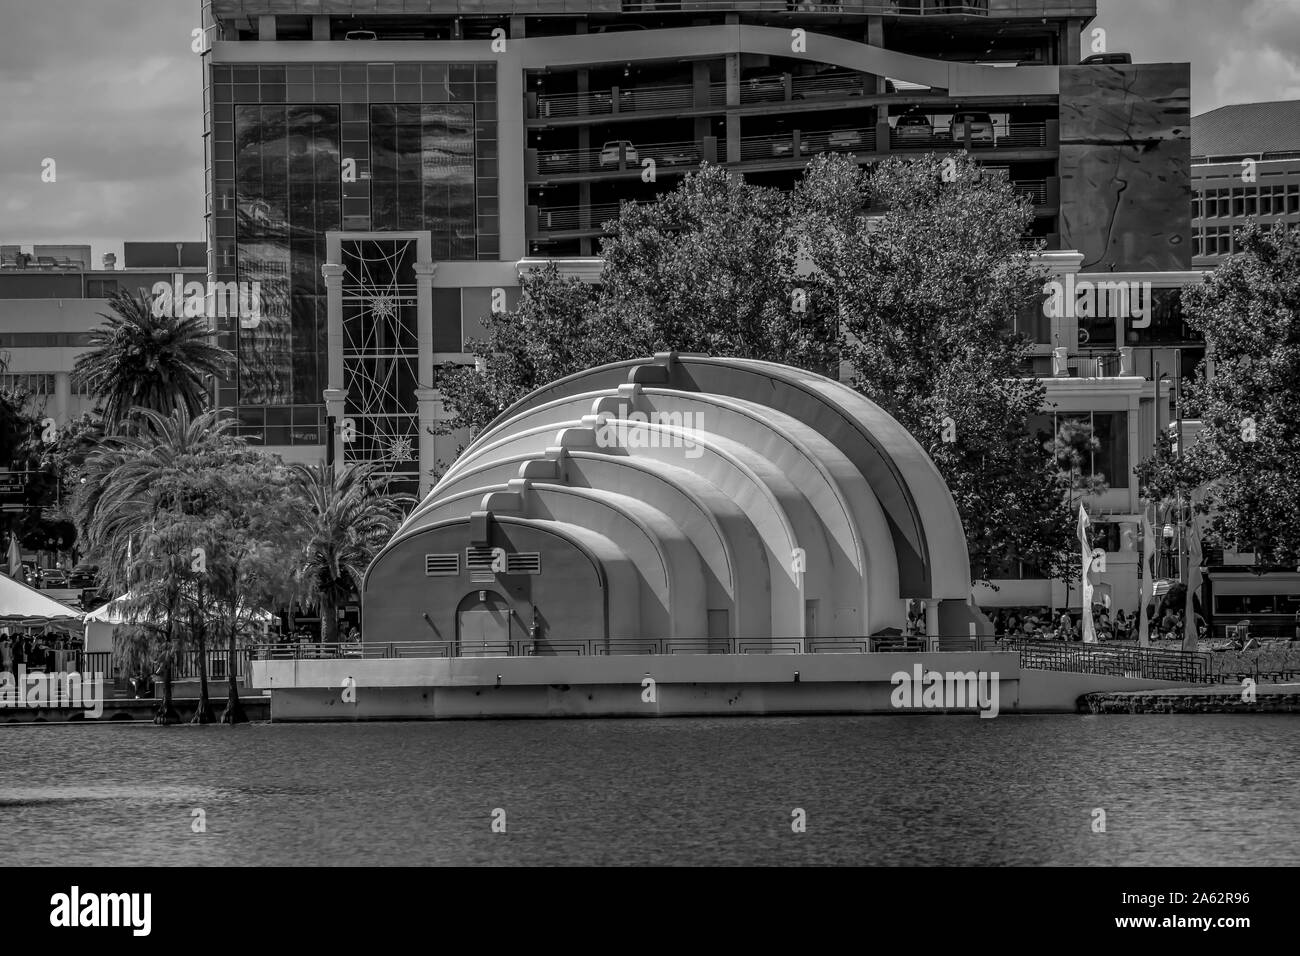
(137, 516)
(158, 362)
(346, 519)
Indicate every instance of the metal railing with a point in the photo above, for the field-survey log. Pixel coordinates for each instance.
(1012, 136)
(570, 217)
(597, 647)
(628, 100)
(916, 8)
(772, 147)
(1108, 365)
(1035, 190)
(1142, 662)
(828, 86)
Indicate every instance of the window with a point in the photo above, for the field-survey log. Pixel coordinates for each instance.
(34, 384)
(100, 288)
(1110, 460)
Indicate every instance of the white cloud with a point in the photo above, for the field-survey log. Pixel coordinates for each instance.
(1257, 76)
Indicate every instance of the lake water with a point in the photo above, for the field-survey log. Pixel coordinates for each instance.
(1205, 789)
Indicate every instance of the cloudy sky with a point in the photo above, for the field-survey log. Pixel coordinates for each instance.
(110, 90)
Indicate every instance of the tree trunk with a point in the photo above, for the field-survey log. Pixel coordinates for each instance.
(203, 714)
(166, 713)
(329, 619)
(234, 712)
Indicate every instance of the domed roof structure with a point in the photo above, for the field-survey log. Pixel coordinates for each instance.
(677, 497)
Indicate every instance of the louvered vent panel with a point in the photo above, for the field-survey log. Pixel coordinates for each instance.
(436, 565)
(524, 562)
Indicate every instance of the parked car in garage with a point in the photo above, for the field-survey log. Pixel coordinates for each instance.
(844, 139)
(785, 147)
(981, 127)
(681, 157)
(555, 162)
(609, 153)
(914, 128)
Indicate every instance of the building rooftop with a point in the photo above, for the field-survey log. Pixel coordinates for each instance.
(1248, 129)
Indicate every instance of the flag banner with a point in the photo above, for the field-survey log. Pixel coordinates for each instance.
(1191, 634)
(1089, 632)
(1148, 578)
(15, 557)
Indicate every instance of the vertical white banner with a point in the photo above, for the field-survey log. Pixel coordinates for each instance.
(1085, 582)
(1148, 578)
(1190, 636)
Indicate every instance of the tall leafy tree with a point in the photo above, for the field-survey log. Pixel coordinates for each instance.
(345, 519)
(255, 540)
(199, 530)
(140, 359)
(553, 331)
(139, 505)
(919, 300)
(1246, 457)
(714, 266)
(926, 289)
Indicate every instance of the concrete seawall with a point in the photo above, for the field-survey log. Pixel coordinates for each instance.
(1218, 699)
(682, 685)
(121, 709)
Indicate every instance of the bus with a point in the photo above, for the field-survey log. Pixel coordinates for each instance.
(1267, 602)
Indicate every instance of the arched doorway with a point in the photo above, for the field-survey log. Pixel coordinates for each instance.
(483, 625)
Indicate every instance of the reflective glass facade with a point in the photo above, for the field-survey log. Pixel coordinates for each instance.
(298, 150)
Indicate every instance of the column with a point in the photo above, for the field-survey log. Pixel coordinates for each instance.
(733, 100)
(62, 397)
(425, 395)
(334, 391)
(427, 401)
(585, 244)
(334, 413)
(424, 274)
(334, 321)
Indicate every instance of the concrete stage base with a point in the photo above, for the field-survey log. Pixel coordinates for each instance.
(684, 685)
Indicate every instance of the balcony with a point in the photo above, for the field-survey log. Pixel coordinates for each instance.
(1117, 364)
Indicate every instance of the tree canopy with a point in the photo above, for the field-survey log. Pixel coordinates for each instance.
(907, 275)
(1247, 454)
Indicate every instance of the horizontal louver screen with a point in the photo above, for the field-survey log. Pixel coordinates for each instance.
(479, 559)
(440, 564)
(525, 562)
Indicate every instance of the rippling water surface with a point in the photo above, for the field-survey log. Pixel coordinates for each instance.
(1203, 789)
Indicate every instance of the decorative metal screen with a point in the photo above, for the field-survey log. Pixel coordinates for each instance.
(381, 355)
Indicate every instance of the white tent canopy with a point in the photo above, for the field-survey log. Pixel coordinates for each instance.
(20, 604)
(101, 621)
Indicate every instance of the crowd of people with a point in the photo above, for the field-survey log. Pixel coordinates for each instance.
(47, 651)
(1044, 624)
